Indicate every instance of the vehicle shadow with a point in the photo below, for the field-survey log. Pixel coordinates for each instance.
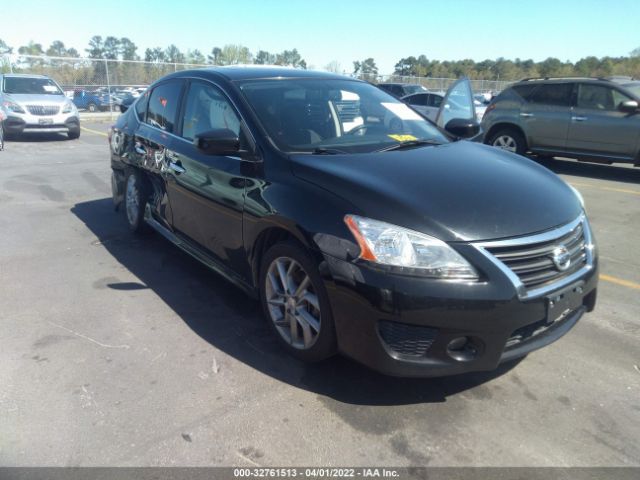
(616, 173)
(229, 320)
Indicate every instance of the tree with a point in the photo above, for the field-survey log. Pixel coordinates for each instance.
(291, 58)
(154, 55)
(128, 49)
(265, 58)
(195, 57)
(333, 66)
(57, 49)
(173, 54)
(111, 48)
(550, 67)
(96, 47)
(31, 49)
(366, 67)
(215, 57)
(234, 55)
(406, 66)
(4, 48)
(635, 52)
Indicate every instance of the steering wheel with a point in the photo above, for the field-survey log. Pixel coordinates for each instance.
(359, 128)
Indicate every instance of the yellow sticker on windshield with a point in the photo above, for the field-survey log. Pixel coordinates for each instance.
(402, 138)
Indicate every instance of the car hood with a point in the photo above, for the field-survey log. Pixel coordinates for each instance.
(460, 191)
(39, 99)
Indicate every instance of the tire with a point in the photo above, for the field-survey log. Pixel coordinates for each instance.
(509, 139)
(73, 134)
(312, 337)
(136, 192)
(92, 107)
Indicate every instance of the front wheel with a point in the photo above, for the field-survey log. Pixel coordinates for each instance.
(510, 140)
(73, 134)
(295, 303)
(92, 107)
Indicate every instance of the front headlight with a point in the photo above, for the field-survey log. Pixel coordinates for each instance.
(13, 107)
(412, 252)
(68, 107)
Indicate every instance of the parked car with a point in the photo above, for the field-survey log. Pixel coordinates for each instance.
(429, 104)
(583, 118)
(36, 104)
(400, 90)
(92, 101)
(391, 243)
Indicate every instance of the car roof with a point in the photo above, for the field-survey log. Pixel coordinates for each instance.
(250, 72)
(23, 75)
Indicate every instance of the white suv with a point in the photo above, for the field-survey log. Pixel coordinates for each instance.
(36, 104)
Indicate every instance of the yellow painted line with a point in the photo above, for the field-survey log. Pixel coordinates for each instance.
(610, 189)
(619, 281)
(94, 131)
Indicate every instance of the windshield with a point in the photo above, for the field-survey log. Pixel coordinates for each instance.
(30, 86)
(410, 89)
(315, 115)
(633, 88)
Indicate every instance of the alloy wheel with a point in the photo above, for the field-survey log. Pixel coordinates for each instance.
(293, 303)
(506, 142)
(132, 200)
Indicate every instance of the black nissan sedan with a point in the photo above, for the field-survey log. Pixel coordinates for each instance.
(363, 228)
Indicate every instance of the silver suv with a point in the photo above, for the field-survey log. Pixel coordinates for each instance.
(584, 118)
(36, 104)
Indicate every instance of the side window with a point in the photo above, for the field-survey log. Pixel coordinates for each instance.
(595, 97)
(141, 105)
(618, 98)
(524, 90)
(558, 94)
(435, 101)
(418, 99)
(207, 109)
(164, 104)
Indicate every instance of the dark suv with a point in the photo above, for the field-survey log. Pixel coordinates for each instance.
(584, 118)
(382, 238)
(400, 90)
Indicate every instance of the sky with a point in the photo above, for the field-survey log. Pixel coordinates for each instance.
(329, 30)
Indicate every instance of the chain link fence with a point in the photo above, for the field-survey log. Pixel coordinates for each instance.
(112, 75)
(438, 84)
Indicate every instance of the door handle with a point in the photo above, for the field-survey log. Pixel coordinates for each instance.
(526, 115)
(578, 119)
(176, 167)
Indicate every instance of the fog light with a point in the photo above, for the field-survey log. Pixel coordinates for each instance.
(462, 349)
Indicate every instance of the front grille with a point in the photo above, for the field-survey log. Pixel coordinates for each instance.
(533, 262)
(43, 109)
(412, 340)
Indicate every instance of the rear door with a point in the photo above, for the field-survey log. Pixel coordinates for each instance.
(598, 127)
(206, 191)
(419, 101)
(545, 117)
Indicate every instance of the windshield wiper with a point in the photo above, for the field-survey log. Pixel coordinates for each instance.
(410, 143)
(327, 151)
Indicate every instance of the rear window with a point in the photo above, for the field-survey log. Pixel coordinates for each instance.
(163, 105)
(557, 94)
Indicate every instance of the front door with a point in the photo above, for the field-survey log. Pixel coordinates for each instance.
(599, 127)
(206, 191)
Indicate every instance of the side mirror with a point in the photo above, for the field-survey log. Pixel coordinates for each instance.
(218, 142)
(630, 106)
(123, 108)
(462, 127)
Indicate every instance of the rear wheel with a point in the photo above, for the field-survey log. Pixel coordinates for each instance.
(295, 302)
(92, 107)
(135, 200)
(510, 140)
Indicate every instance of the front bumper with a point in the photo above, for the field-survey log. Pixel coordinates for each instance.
(17, 123)
(404, 326)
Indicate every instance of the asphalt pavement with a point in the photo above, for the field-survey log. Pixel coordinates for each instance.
(121, 350)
